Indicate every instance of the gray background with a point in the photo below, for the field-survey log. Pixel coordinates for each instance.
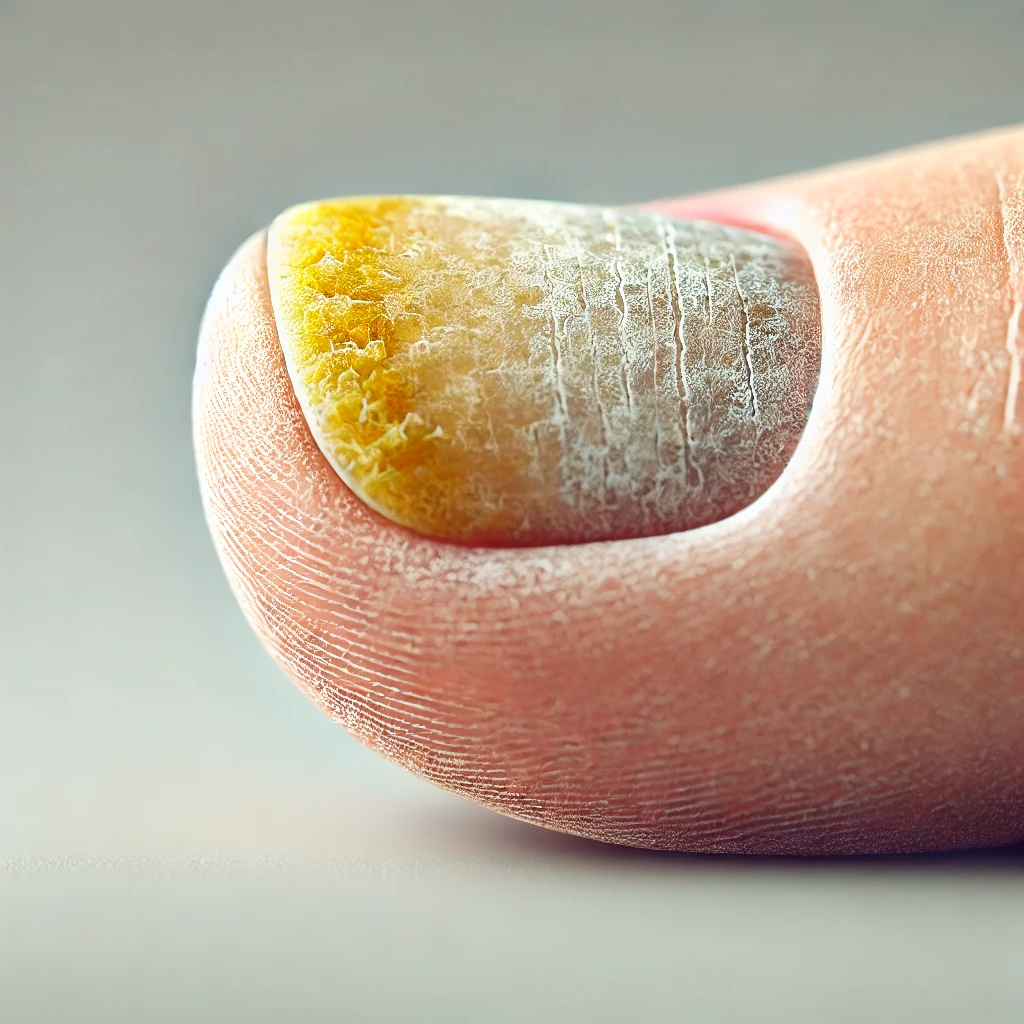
(183, 836)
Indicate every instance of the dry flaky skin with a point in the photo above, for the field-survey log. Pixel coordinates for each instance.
(521, 372)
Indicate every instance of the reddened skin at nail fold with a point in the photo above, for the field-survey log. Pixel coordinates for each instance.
(514, 372)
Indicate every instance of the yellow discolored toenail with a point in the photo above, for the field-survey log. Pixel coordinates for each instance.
(516, 372)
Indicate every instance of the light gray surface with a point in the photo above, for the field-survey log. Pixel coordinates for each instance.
(185, 837)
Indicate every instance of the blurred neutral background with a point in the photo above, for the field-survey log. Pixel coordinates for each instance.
(182, 835)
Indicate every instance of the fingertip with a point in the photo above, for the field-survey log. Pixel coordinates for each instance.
(836, 669)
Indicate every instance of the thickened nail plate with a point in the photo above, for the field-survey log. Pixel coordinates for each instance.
(510, 372)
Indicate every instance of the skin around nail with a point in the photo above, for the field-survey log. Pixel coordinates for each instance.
(836, 668)
(514, 372)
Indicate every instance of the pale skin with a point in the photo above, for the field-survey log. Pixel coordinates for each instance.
(838, 668)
